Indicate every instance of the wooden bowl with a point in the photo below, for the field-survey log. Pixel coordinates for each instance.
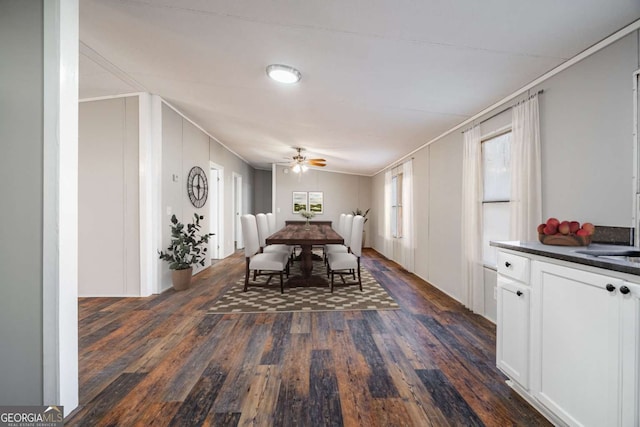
(564, 240)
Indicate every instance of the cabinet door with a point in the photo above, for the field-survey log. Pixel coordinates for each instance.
(577, 337)
(630, 324)
(512, 334)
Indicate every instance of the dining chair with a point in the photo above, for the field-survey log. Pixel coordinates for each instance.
(271, 263)
(338, 230)
(271, 220)
(342, 263)
(341, 223)
(347, 225)
(263, 232)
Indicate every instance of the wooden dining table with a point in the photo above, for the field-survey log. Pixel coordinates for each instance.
(306, 236)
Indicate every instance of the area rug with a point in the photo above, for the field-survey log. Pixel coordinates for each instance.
(317, 298)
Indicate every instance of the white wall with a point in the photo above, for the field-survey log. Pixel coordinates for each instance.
(38, 167)
(421, 195)
(60, 281)
(183, 147)
(586, 121)
(376, 215)
(110, 190)
(586, 124)
(262, 194)
(21, 186)
(445, 204)
(108, 195)
(343, 193)
(437, 214)
(232, 164)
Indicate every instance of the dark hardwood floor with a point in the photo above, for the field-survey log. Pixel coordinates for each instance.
(163, 360)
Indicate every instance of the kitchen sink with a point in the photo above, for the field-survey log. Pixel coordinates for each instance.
(629, 255)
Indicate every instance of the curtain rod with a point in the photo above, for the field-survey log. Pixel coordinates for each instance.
(502, 111)
(400, 162)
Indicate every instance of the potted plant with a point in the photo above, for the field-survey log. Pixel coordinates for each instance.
(359, 211)
(185, 250)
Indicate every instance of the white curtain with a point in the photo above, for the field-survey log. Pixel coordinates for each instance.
(526, 204)
(472, 268)
(386, 233)
(408, 229)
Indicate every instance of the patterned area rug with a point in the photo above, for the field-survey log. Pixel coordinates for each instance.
(269, 299)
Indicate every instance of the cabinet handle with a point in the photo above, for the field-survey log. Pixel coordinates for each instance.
(507, 264)
(519, 293)
(624, 290)
(610, 287)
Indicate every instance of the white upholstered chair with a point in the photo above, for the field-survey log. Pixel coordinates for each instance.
(272, 263)
(262, 221)
(271, 220)
(345, 232)
(338, 230)
(342, 263)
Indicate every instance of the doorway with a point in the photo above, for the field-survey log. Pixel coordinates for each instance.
(237, 211)
(216, 211)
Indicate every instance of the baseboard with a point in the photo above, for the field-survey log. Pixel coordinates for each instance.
(73, 413)
(537, 405)
(489, 319)
(422, 278)
(111, 296)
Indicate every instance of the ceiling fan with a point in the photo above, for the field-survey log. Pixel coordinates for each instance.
(300, 163)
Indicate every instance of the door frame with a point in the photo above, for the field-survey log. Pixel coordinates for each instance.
(219, 204)
(237, 210)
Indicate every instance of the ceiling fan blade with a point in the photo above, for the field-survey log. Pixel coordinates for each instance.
(317, 160)
(319, 164)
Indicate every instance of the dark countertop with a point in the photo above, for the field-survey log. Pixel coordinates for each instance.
(568, 253)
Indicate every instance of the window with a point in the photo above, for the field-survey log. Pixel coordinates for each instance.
(496, 171)
(396, 205)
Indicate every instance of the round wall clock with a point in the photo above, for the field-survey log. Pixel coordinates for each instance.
(197, 187)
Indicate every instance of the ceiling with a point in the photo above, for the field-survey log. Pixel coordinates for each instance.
(380, 78)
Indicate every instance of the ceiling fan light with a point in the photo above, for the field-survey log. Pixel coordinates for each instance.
(296, 168)
(283, 73)
(304, 168)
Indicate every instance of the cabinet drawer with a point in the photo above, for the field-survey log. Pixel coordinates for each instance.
(514, 266)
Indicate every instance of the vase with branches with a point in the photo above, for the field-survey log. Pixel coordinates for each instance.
(308, 215)
(359, 211)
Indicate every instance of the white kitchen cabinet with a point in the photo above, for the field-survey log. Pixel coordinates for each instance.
(512, 334)
(630, 324)
(577, 337)
(568, 338)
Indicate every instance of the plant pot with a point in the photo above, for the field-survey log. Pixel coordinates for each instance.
(181, 278)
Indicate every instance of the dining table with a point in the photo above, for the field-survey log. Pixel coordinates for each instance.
(306, 236)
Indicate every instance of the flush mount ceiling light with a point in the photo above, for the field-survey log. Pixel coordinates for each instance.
(283, 73)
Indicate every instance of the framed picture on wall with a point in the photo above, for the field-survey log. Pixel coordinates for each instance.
(316, 202)
(299, 201)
